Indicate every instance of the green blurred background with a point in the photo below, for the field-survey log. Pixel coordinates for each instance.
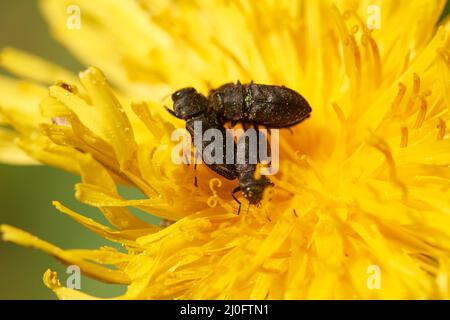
(26, 193)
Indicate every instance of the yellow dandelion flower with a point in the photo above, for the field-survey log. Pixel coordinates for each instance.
(361, 205)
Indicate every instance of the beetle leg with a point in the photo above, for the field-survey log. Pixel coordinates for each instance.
(195, 169)
(195, 177)
(237, 189)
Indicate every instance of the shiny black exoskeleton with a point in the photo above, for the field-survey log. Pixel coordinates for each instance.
(259, 104)
(191, 106)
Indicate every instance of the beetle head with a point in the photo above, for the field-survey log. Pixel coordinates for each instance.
(187, 102)
(254, 191)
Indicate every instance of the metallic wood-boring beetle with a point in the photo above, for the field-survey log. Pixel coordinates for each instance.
(191, 106)
(254, 104)
(259, 104)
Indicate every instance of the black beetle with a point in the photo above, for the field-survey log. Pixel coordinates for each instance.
(256, 104)
(192, 106)
(259, 104)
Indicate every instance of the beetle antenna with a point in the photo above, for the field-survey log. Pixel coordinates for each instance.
(237, 189)
(165, 97)
(195, 177)
(172, 112)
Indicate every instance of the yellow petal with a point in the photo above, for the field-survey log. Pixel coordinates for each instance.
(123, 236)
(93, 270)
(51, 280)
(113, 121)
(9, 151)
(28, 66)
